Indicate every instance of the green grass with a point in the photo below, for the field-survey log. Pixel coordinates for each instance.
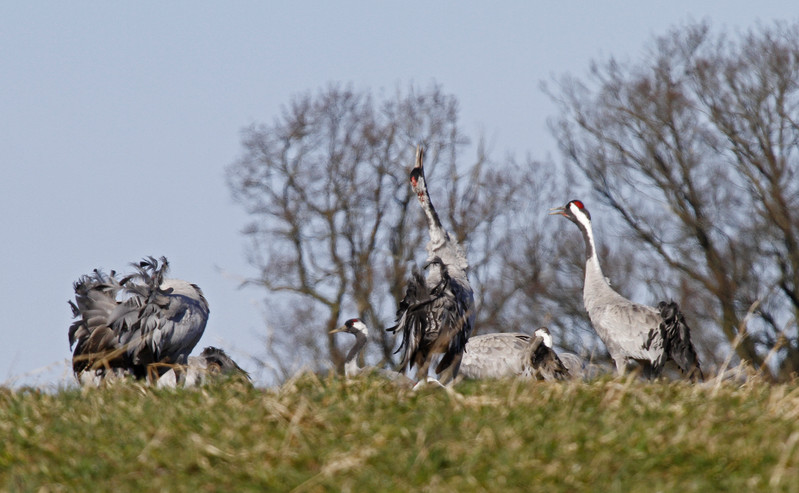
(365, 435)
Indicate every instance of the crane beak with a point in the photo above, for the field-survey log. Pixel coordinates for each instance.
(557, 211)
(419, 156)
(338, 329)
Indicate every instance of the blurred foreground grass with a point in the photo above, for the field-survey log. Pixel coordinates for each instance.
(607, 435)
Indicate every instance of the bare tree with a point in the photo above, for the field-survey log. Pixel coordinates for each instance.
(335, 224)
(695, 151)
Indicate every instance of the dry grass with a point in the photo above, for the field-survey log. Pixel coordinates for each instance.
(366, 435)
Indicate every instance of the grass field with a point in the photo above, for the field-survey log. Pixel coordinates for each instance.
(619, 434)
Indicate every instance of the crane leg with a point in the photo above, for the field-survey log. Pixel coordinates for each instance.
(621, 366)
(449, 373)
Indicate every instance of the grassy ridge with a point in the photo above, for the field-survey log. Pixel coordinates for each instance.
(365, 435)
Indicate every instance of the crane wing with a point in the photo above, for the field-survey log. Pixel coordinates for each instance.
(494, 355)
(94, 341)
(672, 337)
(436, 320)
(624, 327)
(165, 326)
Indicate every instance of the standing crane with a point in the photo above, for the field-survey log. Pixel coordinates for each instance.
(359, 329)
(437, 313)
(138, 325)
(511, 354)
(631, 331)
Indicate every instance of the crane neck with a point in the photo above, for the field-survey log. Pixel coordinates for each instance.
(437, 233)
(592, 267)
(351, 363)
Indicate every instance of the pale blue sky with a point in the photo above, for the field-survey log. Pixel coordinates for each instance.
(117, 121)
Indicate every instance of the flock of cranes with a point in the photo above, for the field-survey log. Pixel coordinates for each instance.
(146, 324)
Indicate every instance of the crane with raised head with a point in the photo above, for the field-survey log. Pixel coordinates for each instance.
(436, 315)
(631, 331)
(140, 324)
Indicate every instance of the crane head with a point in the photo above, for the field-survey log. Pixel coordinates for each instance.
(544, 334)
(352, 326)
(417, 173)
(574, 211)
(218, 361)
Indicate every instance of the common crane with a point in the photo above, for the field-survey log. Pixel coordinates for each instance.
(631, 331)
(437, 313)
(359, 329)
(510, 354)
(211, 363)
(139, 325)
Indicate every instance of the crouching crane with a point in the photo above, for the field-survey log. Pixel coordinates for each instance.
(436, 315)
(631, 331)
(512, 354)
(139, 325)
(212, 363)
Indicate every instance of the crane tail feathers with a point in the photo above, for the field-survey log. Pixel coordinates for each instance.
(674, 337)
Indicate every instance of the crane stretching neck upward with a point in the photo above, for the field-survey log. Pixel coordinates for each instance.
(436, 315)
(438, 235)
(441, 245)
